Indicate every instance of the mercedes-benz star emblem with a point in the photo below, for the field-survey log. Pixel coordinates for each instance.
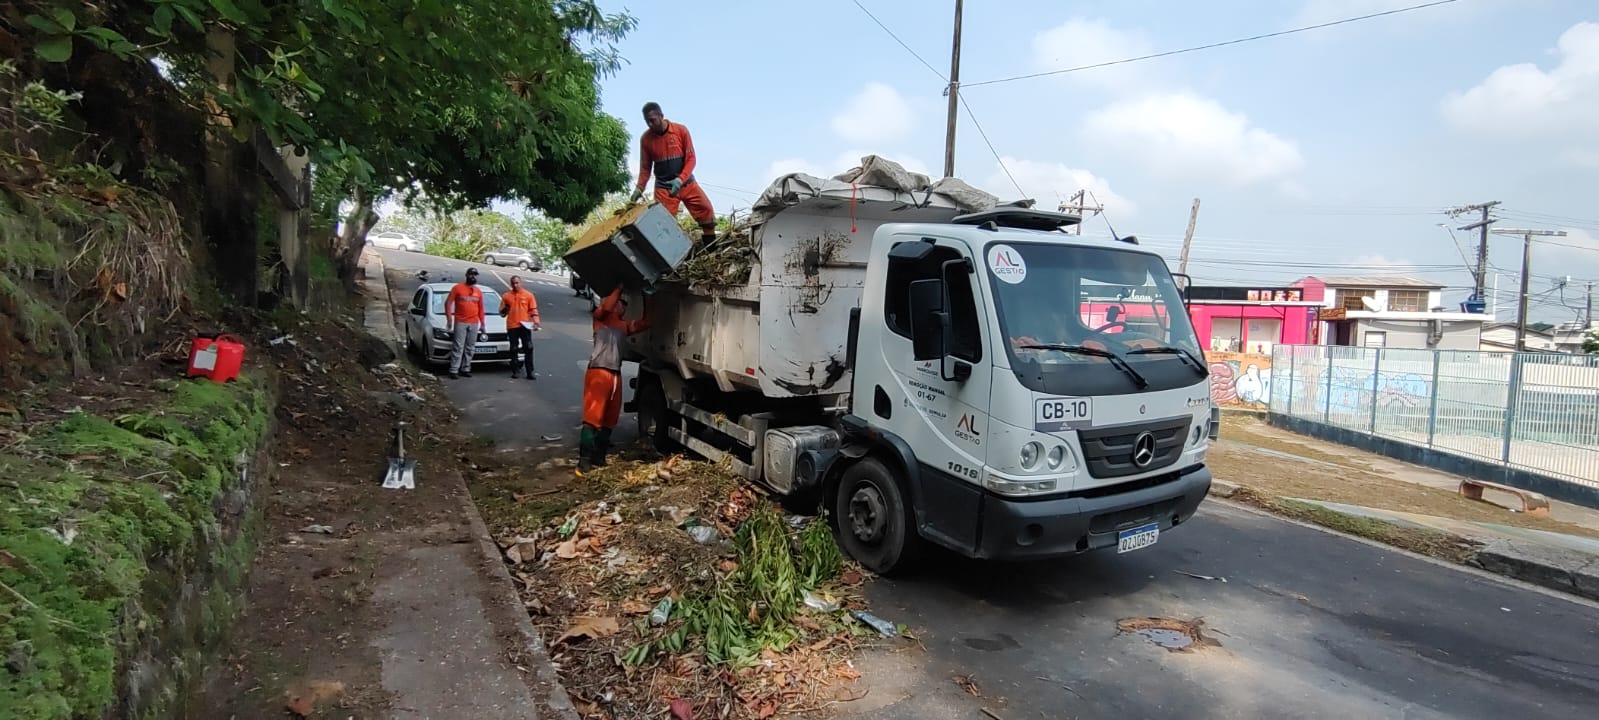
(1144, 449)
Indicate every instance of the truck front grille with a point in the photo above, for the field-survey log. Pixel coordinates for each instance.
(1108, 452)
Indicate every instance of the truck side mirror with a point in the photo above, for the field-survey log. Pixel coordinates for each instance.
(929, 321)
(1183, 282)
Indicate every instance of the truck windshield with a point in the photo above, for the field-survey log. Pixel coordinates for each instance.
(1092, 320)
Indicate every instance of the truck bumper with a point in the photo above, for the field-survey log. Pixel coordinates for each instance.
(1010, 529)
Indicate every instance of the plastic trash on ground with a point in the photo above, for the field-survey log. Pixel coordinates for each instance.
(662, 611)
(874, 622)
(821, 603)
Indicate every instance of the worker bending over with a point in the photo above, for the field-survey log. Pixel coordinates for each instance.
(602, 384)
(667, 149)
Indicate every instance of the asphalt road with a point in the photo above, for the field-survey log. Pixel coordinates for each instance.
(1307, 625)
(519, 413)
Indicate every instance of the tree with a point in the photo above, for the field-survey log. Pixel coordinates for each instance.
(1590, 342)
(462, 102)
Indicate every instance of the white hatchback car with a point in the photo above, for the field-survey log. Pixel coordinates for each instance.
(394, 241)
(425, 332)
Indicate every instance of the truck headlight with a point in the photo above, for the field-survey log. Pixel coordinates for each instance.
(1056, 456)
(1030, 455)
(1018, 487)
(1197, 436)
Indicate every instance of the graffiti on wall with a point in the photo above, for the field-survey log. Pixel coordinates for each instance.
(1240, 379)
(1352, 390)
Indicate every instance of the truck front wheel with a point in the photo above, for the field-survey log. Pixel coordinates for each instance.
(873, 519)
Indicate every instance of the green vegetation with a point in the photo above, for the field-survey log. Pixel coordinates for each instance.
(102, 522)
(753, 607)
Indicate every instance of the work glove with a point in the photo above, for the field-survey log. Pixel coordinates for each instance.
(637, 193)
(675, 185)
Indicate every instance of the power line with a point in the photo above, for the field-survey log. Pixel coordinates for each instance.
(901, 42)
(1211, 46)
(973, 117)
(969, 114)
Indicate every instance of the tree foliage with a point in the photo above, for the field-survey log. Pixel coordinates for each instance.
(1590, 342)
(463, 101)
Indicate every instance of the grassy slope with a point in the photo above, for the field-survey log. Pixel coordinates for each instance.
(138, 496)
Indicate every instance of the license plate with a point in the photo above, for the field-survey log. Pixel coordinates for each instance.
(1137, 538)
(487, 349)
(1062, 413)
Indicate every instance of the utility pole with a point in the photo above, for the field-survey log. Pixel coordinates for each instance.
(1587, 315)
(1526, 260)
(1078, 204)
(1481, 275)
(1188, 238)
(953, 91)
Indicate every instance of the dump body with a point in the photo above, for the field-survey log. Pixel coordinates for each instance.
(783, 332)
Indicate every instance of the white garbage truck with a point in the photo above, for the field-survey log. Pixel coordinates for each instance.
(923, 364)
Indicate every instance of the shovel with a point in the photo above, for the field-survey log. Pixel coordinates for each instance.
(402, 472)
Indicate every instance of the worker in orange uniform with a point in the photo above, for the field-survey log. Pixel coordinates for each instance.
(521, 312)
(602, 385)
(463, 313)
(668, 151)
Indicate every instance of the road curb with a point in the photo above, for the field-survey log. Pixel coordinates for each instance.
(1552, 568)
(543, 676)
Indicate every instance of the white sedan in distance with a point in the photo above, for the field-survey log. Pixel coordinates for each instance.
(390, 240)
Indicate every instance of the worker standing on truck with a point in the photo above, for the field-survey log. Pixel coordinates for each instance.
(667, 149)
(602, 384)
(463, 312)
(521, 312)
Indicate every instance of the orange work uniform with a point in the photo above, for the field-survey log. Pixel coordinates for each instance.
(602, 384)
(464, 304)
(519, 306)
(670, 155)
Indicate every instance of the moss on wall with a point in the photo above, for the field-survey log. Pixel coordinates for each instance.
(123, 544)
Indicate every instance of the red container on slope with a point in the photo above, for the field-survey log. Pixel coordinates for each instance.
(216, 357)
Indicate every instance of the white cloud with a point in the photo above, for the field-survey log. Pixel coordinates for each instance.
(1183, 135)
(1051, 183)
(779, 168)
(877, 114)
(1082, 41)
(1525, 101)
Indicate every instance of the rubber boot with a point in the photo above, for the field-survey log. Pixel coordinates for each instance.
(602, 445)
(585, 449)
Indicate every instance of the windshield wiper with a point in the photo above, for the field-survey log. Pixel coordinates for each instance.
(1187, 357)
(1095, 352)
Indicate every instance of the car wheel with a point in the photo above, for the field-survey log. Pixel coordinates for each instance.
(873, 520)
(489, 260)
(522, 265)
(405, 248)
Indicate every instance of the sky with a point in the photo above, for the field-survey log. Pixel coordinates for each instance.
(1332, 151)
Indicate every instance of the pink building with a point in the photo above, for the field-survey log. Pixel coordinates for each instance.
(1251, 320)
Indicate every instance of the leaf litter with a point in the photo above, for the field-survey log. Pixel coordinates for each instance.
(737, 638)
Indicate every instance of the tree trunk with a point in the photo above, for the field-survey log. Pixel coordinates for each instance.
(228, 217)
(352, 237)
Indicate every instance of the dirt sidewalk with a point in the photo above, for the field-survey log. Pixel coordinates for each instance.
(373, 603)
(1407, 506)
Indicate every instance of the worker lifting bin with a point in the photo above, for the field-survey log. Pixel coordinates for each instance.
(631, 250)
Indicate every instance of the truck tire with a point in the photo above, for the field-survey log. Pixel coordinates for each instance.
(653, 416)
(873, 519)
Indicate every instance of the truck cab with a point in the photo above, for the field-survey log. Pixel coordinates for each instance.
(1017, 393)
